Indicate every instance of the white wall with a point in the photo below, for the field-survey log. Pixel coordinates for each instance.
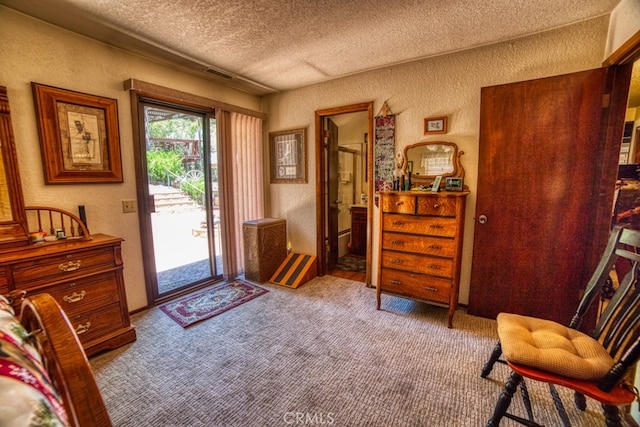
(445, 85)
(31, 50)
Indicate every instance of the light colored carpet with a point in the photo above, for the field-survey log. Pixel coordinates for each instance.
(317, 355)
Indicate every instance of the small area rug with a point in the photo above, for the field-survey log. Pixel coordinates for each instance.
(211, 302)
(352, 263)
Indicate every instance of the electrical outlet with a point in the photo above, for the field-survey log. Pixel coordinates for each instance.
(129, 206)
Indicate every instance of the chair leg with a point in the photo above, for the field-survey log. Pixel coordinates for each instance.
(580, 401)
(612, 416)
(525, 399)
(495, 355)
(559, 406)
(504, 400)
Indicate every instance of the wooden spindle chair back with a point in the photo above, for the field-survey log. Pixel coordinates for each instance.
(48, 219)
(617, 330)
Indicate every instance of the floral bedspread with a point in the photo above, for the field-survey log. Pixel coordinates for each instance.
(27, 396)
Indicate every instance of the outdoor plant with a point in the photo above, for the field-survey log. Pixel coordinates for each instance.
(194, 187)
(165, 166)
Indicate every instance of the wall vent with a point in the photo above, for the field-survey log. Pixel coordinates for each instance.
(219, 73)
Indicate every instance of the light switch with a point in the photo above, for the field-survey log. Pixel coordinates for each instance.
(129, 206)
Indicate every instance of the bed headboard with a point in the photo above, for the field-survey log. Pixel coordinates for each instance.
(48, 368)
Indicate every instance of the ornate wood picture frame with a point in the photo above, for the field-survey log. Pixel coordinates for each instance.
(288, 153)
(79, 136)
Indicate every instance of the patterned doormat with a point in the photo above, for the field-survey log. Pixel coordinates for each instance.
(352, 263)
(211, 302)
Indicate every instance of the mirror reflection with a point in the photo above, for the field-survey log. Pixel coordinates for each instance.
(427, 160)
(13, 224)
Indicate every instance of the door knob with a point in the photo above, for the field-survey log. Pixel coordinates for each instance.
(482, 219)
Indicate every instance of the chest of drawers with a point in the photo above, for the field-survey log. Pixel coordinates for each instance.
(85, 278)
(420, 246)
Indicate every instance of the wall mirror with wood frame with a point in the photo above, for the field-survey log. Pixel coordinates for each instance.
(13, 223)
(427, 160)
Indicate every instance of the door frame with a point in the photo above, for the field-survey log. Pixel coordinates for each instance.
(146, 233)
(321, 164)
(621, 61)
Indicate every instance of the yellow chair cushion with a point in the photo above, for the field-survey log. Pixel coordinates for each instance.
(552, 347)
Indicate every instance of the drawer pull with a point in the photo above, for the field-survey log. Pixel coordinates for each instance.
(396, 261)
(395, 282)
(436, 206)
(435, 247)
(434, 267)
(70, 266)
(81, 329)
(75, 297)
(399, 203)
(431, 289)
(398, 222)
(436, 226)
(397, 242)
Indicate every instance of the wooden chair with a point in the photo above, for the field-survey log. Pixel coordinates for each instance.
(48, 219)
(593, 365)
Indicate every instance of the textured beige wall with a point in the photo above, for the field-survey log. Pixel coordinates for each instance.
(624, 22)
(446, 85)
(35, 51)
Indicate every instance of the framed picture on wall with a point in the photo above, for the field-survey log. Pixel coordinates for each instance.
(435, 125)
(79, 136)
(288, 156)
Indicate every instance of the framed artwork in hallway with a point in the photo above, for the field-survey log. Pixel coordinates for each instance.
(288, 152)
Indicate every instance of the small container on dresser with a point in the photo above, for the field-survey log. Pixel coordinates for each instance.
(86, 279)
(420, 246)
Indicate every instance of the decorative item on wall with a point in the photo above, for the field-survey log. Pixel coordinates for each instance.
(79, 136)
(288, 156)
(384, 148)
(435, 125)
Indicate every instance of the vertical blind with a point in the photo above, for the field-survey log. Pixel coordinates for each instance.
(242, 157)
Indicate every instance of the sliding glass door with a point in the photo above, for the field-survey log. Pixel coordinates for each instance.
(182, 213)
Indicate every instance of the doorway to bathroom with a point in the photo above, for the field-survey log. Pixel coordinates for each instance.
(343, 189)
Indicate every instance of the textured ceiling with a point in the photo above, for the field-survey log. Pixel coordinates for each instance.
(264, 46)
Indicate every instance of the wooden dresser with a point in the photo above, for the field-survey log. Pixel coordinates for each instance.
(86, 279)
(420, 246)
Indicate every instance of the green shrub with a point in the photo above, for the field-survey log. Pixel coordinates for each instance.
(164, 166)
(194, 188)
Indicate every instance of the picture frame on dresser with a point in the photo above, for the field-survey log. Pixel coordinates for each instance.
(79, 136)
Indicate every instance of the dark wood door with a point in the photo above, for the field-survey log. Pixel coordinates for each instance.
(546, 176)
(332, 183)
